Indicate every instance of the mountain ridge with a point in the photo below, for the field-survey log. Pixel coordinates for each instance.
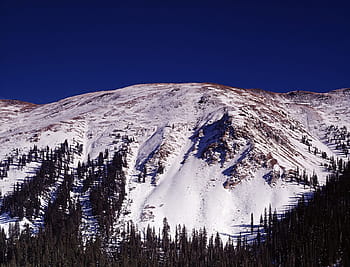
(213, 145)
(343, 90)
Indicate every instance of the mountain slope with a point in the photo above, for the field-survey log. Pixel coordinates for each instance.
(199, 154)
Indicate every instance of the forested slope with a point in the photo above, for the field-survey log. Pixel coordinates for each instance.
(315, 233)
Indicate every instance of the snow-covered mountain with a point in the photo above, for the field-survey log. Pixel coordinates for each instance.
(198, 154)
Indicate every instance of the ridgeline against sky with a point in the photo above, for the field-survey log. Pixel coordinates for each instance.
(55, 50)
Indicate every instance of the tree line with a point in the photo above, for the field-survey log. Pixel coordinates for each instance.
(315, 233)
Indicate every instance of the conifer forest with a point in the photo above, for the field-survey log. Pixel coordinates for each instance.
(315, 232)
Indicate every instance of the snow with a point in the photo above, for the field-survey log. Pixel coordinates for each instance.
(16, 175)
(167, 122)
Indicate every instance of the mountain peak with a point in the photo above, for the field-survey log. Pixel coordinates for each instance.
(195, 153)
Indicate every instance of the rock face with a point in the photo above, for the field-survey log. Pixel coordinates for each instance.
(199, 154)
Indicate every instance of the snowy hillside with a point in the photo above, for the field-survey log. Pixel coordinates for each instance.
(198, 154)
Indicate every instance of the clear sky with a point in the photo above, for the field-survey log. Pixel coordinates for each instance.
(56, 49)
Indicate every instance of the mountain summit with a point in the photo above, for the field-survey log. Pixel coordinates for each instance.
(199, 154)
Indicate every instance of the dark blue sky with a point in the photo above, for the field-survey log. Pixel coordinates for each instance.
(51, 51)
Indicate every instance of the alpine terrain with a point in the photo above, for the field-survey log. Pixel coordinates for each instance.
(197, 154)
